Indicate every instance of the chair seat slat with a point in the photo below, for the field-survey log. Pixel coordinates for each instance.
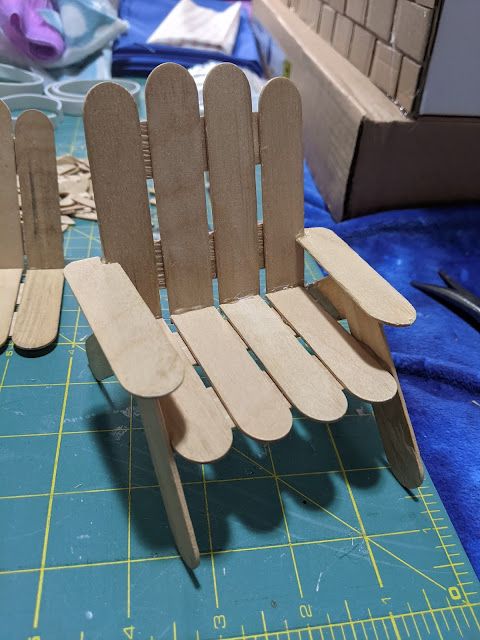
(199, 427)
(255, 404)
(306, 383)
(349, 361)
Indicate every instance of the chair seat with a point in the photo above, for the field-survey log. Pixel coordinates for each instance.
(253, 401)
(306, 383)
(200, 429)
(353, 364)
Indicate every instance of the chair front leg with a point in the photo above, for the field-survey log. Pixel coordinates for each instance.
(392, 417)
(98, 363)
(169, 480)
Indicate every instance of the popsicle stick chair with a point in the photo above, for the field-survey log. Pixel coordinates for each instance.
(120, 295)
(31, 157)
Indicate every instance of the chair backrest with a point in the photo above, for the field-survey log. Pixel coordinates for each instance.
(176, 147)
(30, 156)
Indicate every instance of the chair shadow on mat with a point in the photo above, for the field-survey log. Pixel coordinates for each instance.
(251, 487)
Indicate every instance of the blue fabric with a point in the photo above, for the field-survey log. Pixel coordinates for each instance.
(133, 56)
(438, 358)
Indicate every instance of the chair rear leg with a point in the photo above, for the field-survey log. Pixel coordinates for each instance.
(169, 480)
(392, 417)
(97, 361)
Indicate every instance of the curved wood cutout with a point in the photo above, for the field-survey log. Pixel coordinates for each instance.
(112, 130)
(37, 172)
(176, 138)
(281, 154)
(231, 163)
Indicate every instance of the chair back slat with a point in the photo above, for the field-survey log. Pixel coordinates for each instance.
(281, 154)
(112, 130)
(11, 243)
(231, 164)
(176, 140)
(37, 173)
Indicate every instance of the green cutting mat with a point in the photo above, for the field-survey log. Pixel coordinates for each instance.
(309, 539)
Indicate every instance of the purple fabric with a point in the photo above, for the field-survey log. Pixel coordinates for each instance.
(28, 31)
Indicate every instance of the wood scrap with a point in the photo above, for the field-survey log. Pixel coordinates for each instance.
(75, 191)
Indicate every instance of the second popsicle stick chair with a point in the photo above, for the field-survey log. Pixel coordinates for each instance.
(35, 246)
(120, 295)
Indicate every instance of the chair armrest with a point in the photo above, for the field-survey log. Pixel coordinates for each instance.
(136, 347)
(357, 278)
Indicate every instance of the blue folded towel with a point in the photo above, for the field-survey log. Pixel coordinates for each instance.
(133, 56)
(438, 358)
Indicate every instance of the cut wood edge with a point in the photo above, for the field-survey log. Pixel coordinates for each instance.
(367, 288)
(169, 481)
(144, 362)
(253, 401)
(302, 378)
(38, 316)
(350, 361)
(200, 428)
(9, 288)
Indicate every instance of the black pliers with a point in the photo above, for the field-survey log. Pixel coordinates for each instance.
(453, 295)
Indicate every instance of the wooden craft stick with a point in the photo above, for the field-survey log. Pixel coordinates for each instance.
(36, 324)
(305, 382)
(169, 481)
(112, 130)
(9, 284)
(141, 357)
(353, 365)
(37, 171)
(175, 134)
(11, 244)
(255, 404)
(281, 152)
(393, 421)
(231, 163)
(356, 277)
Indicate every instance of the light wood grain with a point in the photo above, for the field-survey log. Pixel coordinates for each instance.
(36, 324)
(392, 417)
(9, 284)
(112, 130)
(305, 382)
(200, 429)
(357, 278)
(213, 262)
(256, 406)
(169, 481)
(147, 159)
(281, 152)
(11, 243)
(134, 344)
(349, 361)
(175, 134)
(231, 163)
(37, 172)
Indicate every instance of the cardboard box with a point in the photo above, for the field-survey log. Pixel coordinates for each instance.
(365, 155)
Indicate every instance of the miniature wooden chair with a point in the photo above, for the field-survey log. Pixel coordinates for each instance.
(120, 296)
(32, 157)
